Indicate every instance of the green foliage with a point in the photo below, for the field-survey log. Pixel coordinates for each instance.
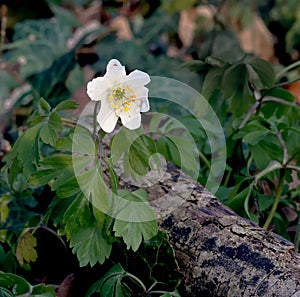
(90, 245)
(26, 248)
(152, 256)
(261, 123)
(135, 218)
(61, 174)
(13, 285)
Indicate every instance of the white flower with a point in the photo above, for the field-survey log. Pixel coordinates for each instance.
(121, 95)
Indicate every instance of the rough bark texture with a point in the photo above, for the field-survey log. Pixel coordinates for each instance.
(220, 253)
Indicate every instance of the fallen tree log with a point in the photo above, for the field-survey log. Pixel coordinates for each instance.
(220, 253)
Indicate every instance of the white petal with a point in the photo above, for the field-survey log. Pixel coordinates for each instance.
(97, 88)
(138, 78)
(115, 72)
(107, 118)
(131, 120)
(142, 98)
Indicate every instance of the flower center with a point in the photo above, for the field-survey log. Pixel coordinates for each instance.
(121, 98)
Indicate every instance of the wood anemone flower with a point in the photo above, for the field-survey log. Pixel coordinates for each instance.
(122, 96)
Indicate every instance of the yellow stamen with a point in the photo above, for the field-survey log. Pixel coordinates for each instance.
(121, 98)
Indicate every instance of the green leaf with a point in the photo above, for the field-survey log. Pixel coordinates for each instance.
(42, 290)
(265, 72)
(173, 6)
(49, 131)
(66, 105)
(64, 15)
(90, 245)
(235, 87)
(58, 168)
(110, 285)
(44, 107)
(280, 93)
(77, 215)
(136, 149)
(25, 154)
(236, 201)
(140, 152)
(265, 202)
(94, 188)
(155, 253)
(135, 219)
(5, 292)
(4, 209)
(26, 251)
(64, 144)
(48, 135)
(265, 151)
(40, 42)
(15, 283)
(51, 83)
(255, 137)
(212, 81)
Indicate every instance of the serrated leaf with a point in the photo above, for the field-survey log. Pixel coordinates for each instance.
(58, 168)
(25, 153)
(69, 188)
(77, 215)
(26, 251)
(94, 188)
(110, 285)
(4, 209)
(135, 219)
(90, 245)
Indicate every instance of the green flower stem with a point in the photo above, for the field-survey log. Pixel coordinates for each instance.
(205, 160)
(96, 134)
(137, 280)
(276, 201)
(72, 123)
(287, 69)
(273, 165)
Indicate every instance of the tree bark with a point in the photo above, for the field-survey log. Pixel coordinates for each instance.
(220, 253)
